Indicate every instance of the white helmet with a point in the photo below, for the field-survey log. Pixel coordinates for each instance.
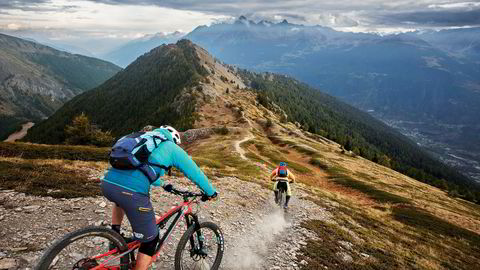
(174, 132)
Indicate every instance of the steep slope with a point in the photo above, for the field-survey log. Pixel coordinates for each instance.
(155, 89)
(35, 80)
(355, 130)
(421, 89)
(177, 84)
(126, 54)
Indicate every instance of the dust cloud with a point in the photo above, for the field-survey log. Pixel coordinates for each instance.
(251, 246)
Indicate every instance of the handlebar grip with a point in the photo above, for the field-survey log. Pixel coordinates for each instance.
(168, 188)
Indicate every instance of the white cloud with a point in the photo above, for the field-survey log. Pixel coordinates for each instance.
(105, 23)
(458, 5)
(14, 26)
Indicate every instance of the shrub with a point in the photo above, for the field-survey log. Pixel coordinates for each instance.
(40, 179)
(222, 131)
(269, 123)
(223, 78)
(83, 132)
(43, 151)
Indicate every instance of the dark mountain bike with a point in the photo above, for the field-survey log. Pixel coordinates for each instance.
(282, 193)
(200, 247)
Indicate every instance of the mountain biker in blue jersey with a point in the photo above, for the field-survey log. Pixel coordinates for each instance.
(129, 190)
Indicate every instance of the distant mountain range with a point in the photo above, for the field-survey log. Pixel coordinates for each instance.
(127, 53)
(462, 43)
(397, 76)
(427, 76)
(35, 80)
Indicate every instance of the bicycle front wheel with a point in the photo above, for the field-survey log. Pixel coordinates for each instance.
(83, 249)
(200, 248)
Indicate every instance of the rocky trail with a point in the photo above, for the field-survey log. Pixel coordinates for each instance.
(239, 149)
(257, 234)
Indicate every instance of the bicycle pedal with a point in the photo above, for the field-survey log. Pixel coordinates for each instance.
(128, 239)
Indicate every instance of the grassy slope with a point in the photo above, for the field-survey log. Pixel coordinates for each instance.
(387, 219)
(391, 221)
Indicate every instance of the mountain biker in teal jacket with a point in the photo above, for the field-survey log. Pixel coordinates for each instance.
(129, 190)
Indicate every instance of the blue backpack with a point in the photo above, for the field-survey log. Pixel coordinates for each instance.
(282, 171)
(131, 152)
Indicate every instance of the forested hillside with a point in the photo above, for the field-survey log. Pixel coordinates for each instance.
(146, 92)
(35, 80)
(357, 131)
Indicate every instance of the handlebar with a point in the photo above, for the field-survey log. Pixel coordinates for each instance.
(184, 193)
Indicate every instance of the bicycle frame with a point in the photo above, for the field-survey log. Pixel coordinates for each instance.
(184, 210)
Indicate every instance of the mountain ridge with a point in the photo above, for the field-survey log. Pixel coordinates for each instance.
(36, 79)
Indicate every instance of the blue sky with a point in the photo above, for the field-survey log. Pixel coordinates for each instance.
(99, 25)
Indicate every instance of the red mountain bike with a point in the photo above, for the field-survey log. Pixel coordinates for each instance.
(200, 247)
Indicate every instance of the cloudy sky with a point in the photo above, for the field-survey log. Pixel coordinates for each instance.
(99, 25)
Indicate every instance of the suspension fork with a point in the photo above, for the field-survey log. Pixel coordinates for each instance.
(192, 220)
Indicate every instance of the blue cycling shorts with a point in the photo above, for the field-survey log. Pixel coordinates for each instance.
(137, 207)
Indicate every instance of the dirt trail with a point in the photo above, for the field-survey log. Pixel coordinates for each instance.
(20, 134)
(257, 235)
(239, 149)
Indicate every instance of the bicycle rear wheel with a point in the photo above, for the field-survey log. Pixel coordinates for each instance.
(200, 248)
(282, 198)
(77, 249)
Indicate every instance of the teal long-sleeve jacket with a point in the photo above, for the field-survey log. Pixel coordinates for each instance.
(166, 154)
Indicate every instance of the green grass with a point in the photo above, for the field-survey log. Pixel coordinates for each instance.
(427, 223)
(319, 163)
(324, 254)
(246, 144)
(424, 242)
(255, 157)
(372, 192)
(208, 163)
(36, 178)
(40, 151)
(277, 157)
(260, 146)
(459, 248)
(304, 149)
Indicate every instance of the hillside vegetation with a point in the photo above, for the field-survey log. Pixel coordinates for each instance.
(347, 212)
(146, 92)
(356, 131)
(35, 80)
(175, 83)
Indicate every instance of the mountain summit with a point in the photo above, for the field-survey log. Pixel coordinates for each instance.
(127, 53)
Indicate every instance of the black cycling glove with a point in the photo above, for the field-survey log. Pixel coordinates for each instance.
(206, 198)
(168, 188)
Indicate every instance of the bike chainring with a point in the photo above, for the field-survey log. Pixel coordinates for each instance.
(85, 264)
